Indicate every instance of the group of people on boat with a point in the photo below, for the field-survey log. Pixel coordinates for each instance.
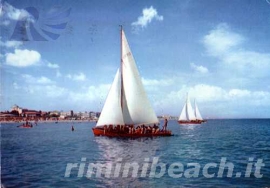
(197, 121)
(131, 129)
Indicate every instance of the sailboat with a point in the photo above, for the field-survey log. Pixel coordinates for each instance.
(188, 116)
(127, 111)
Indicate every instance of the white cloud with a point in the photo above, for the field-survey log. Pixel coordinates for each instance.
(155, 82)
(15, 14)
(29, 79)
(77, 77)
(239, 93)
(204, 92)
(53, 91)
(228, 47)
(23, 58)
(56, 67)
(47, 88)
(53, 66)
(173, 101)
(91, 93)
(79, 99)
(210, 93)
(148, 15)
(40, 86)
(11, 44)
(221, 40)
(44, 80)
(251, 59)
(16, 86)
(214, 100)
(199, 68)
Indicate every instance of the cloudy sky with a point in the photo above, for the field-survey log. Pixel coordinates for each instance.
(63, 55)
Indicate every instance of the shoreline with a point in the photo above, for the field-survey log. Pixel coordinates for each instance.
(91, 121)
(50, 121)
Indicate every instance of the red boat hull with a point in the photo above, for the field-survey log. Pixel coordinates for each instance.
(25, 127)
(101, 132)
(190, 122)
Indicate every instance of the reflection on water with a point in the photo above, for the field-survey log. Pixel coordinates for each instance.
(128, 149)
(138, 150)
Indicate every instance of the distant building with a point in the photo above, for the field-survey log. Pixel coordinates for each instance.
(23, 112)
(55, 113)
(66, 115)
(44, 114)
(31, 113)
(17, 108)
(3, 115)
(93, 115)
(71, 113)
(77, 115)
(85, 115)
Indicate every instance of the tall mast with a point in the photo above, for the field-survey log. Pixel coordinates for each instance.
(121, 67)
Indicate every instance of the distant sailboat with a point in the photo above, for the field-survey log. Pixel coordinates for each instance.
(188, 116)
(127, 106)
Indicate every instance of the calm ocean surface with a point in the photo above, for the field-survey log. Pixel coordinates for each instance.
(38, 157)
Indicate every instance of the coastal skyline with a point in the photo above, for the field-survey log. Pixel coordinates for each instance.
(216, 51)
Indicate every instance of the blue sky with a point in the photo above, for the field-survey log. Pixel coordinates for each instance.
(218, 51)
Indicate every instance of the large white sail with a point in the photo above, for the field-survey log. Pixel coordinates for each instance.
(127, 102)
(136, 106)
(197, 112)
(112, 113)
(187, 113)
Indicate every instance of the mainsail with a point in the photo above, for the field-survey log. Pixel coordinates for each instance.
(197, 112)
(187, 113)
(127, 102)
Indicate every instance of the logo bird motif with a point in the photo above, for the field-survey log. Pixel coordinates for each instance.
(34, 27)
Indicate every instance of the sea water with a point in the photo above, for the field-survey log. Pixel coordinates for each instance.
(41, 156)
